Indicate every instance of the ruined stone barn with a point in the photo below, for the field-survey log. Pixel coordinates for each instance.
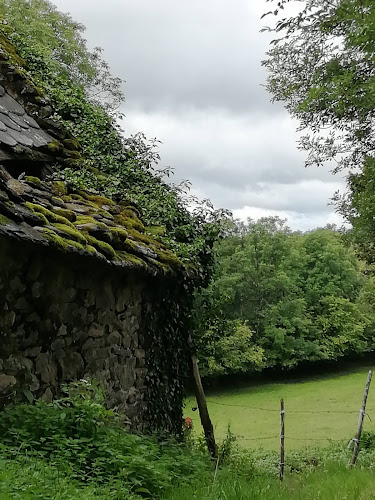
(82, 283)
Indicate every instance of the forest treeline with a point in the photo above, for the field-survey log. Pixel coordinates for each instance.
(279, 298)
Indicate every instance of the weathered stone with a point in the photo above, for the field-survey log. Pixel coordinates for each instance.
(32, 352)
(72, 366)
(96, 330)
(9, 319)
(114, 338)
(106, 299)
(36, 290)
(7, 382)
(46, 368)
(58, 344)
(62, 331)
(34, 384)
(48, 395)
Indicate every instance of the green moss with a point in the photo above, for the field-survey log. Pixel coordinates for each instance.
(129, 222)
(63, 212)
(97, 199)
(50, 216)
(128, 257)
(55, 239)
(11, 51)
(101, 246)
(84, 219)
(71, 144)
(59, 188)
(75, 155)
(72, 232)
(73, 196)
(119, 233)
(168, 257)
(77, 245)
(4, 220)
(145, 238)
(33, 180)
(156, 230)
(54, 146)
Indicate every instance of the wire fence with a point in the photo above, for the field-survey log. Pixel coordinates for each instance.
(290, 413)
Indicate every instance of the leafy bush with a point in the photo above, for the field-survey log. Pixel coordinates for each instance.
(81, 438)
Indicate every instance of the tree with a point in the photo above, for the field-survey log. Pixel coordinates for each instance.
(321, 65)
(56, 37)
(282, 298)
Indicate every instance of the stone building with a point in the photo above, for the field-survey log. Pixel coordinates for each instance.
(81, 281)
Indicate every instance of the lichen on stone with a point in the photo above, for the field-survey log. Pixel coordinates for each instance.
(4, 220)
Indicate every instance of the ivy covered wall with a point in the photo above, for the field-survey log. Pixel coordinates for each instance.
(65, 317)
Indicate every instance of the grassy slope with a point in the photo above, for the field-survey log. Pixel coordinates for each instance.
(333, 393)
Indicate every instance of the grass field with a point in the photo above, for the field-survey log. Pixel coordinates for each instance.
(317, 410)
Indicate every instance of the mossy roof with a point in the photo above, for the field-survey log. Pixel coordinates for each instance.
(43, 211)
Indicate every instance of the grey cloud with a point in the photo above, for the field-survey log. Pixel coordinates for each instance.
(205, 54)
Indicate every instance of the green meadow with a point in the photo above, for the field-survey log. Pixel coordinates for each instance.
(318, 410)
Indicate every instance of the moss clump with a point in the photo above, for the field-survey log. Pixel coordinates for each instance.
(77, 245)
(50, 216)
(168, 258)
(59, 188)
(73, 196)
(128, 257)
(149, 240)
(129, 222)
(119, 233)
(33, 180)
(75, 155)
(54, 146)
(55, 239)
(63, 212)
(156, 230)
(10, 50)
(101, 246)
(97, 199)
(72, 232)
(71, 144)
(84, 219)
(4, 220)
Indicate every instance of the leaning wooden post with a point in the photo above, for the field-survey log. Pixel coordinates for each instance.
(282, 439)
(202, 405)
(362, 414)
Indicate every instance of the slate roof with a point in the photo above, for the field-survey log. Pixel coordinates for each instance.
(43, 212)
(17, 127)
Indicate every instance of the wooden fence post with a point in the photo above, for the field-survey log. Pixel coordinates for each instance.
(202, 405)
(362, 414)
(282, 439)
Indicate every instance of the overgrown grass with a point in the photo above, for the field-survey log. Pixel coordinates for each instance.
(331, 483)
(324, 404)
(75, 449)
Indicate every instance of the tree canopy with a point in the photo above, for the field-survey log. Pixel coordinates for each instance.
(279, 298)
(321, 65)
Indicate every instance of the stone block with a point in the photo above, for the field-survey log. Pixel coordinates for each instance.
(7, 382)
(46, 368)
(96, 330)
(72, 366)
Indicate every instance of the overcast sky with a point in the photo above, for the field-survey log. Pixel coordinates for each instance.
(194, 81)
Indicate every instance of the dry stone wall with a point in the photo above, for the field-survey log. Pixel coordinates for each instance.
(63, 319)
